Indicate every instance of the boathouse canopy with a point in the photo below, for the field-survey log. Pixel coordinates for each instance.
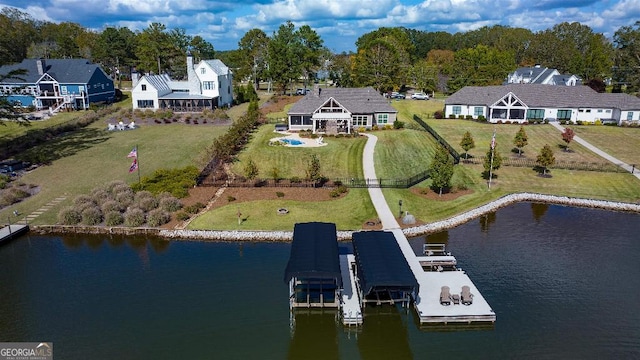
(314, 253)
(381, 264)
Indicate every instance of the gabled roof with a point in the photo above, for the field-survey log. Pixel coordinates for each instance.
(381, 264)
(356, 100)
(66, 71)
(314, 253)
(218, 66)
(159, 82)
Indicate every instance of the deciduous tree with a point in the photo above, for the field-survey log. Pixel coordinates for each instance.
(253, 59)
(467, 144)
(545, 159)
(567, 136)
(489, 166)
(520, 140)
(441, 170)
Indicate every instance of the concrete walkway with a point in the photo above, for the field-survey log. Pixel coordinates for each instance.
(601, 153)
(387, 218)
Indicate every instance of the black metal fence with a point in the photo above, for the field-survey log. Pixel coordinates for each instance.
(439, 139)
(564, 165)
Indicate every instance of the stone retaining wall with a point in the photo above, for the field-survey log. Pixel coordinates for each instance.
(285, 236)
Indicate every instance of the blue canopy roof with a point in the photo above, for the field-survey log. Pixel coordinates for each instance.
(381, 264)
(314, 253)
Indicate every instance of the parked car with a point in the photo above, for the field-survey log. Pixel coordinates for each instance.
(397, 95)
(420, 96)
(301, 91)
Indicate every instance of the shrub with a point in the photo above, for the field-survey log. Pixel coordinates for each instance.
(182, 216)
(279, 194)
(230, 198)
(170, 204)
(82, 200)
(134, 217)
(362, 129)
(374, 127)
(91, 216)
(158, 217)
(398, 124)
(99, 196)
(452, 116)
(482, 118)
(113, 218)
(388, 127)
(295, 180)
(439, 114)
(195, 208)
(146, 203)
(69, 216)
(124, 199)
(597, 122)
(111, 205)
(469, 117)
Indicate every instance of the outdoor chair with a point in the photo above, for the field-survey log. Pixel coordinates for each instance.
(445, 296)
(466, 296)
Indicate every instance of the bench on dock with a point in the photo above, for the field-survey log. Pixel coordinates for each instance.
(445, 296)
(466, 296)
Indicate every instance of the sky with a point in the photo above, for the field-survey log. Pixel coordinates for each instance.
(339, 22)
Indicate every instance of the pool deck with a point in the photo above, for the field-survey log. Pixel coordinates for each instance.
(306, 142)
(351, 311)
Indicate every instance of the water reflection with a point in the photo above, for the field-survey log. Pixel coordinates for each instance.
(441, 237)
(315, 335)
(486, 221)
(384, 334)
(538, 210)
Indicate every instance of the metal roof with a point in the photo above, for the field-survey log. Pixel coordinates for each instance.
(356, 100)
(218, 66)
(547, 96)
(314, 253)
(65, 71)
(381, 264)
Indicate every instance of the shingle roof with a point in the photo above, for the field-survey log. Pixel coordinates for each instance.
(67, 71)
(357, 100)
(537, 95)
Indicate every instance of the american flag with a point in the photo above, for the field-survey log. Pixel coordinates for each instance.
(133, 153)
(493, 140)
(133, 166)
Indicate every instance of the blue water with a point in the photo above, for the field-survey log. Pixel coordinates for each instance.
(291, 141)
(564, 283)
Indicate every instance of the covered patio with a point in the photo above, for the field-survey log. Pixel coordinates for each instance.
(184, 102)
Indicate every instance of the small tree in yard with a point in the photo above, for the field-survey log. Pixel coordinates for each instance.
(467, 143)
(567, 136)
(250, 170)
(441, 170)
(313, 168)
(497, 161)
(545, 158)
(520, 140)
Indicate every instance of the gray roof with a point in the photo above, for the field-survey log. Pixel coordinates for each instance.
(66, 71)
(537, 95)
(159, 82)
(357, 100)
(183, 95)
(218, 66)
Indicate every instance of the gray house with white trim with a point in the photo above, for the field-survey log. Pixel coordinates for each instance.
(341, 110)
(540, 75)
(533, 102)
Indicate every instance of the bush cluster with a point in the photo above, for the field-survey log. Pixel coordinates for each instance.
(338, 191)
(116, 204)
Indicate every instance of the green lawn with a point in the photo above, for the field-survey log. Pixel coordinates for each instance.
(619, 142)
(348, 213)
(400, 154)
(340, 158)
(93, 156)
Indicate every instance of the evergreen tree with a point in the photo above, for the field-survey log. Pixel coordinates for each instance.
(520, 140)
(467, 143)
(313, 168)
(251, 170)
(441, 170)
(545, 158)
(497, 161)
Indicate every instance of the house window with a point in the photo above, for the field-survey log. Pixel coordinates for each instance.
(478, 111)
(81, 88)
(630, 115)
(208, 85)
(599, 110)
(63, 90)
(535, 114)
(457, 109)
(306, 120)
(203, 70)
(295, 120)
(608, 111)
(359, 120)
(383, 118)
(144, 87)
(145, 104)
(564, 115)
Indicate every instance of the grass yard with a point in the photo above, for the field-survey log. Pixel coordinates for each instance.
(340, 158)
(93, 156)
(619, 142)
(400, 154)
(348, 213)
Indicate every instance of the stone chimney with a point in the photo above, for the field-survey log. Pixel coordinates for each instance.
(42, 66)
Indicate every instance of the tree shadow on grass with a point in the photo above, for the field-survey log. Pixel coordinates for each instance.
(64, 145)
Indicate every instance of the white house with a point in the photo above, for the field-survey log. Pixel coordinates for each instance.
(340, 110)
(534, 102)
(209, 85)
(540, 75)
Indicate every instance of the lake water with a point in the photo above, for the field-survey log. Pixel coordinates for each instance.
(564, 283)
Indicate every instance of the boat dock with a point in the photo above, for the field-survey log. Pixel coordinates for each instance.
(9, 232)
(351, 311)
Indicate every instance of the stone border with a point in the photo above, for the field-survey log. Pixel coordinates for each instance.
(285, 236)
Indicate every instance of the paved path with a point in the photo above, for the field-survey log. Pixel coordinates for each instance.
(601, 153)
(387, 218)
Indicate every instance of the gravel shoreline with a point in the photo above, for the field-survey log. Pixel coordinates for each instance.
(286, 236)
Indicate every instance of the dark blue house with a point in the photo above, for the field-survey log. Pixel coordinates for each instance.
(57, 84)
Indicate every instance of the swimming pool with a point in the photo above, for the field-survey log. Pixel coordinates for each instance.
(291, 141)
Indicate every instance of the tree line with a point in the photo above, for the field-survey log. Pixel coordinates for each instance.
(386, 58)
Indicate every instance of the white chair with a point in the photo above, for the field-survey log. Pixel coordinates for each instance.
(120, 125)
(111, 127)
(132, 125)
(319, 140)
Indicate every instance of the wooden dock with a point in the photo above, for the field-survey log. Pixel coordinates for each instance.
(351, 311)
(10, 232)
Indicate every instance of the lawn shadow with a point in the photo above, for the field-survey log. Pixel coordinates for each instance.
(64, 145)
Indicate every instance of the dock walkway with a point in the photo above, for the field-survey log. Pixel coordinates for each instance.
(427, 303)
(351, 310)
(11, 231)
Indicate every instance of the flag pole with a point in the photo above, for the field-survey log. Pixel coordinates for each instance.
(138, 160)
(493, 147)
